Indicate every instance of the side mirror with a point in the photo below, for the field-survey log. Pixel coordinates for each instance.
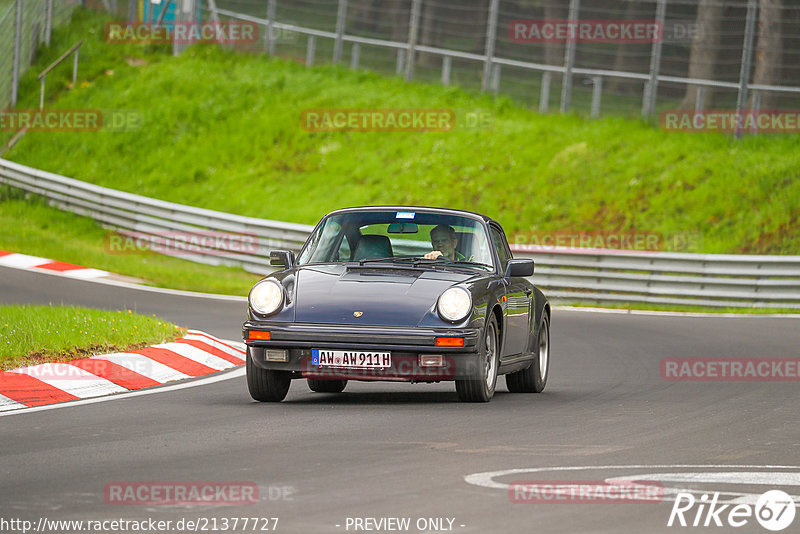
(281, 258)
(519, 267)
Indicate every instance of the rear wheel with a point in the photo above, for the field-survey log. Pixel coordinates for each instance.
(481, 388)
(534, 378)
(266, 385)
(326, 386)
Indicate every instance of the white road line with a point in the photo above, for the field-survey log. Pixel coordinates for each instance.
(71, 379)
(486, 479)
(234, 373)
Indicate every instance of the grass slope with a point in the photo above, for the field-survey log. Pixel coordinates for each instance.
(37, 334)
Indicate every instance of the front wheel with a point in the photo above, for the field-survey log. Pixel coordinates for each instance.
(326, 386)
(266, 385)
(534, 378)
(481, 388)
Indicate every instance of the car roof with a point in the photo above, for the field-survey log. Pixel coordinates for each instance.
(425, 209)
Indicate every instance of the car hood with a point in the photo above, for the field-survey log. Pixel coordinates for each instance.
(382, 295)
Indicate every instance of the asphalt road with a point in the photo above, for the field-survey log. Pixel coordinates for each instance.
(403, 451)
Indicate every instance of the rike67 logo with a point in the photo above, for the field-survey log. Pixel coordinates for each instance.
(774, 510)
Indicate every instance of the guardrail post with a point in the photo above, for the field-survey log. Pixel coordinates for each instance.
(649, 103)
(269, 39)
(413, 29)
(569, 60)
(447, 65)
(355, 52)
(311, 50)
(747, 56)
(341, 17)
(17, 50)
(491, 38)
(597, 93)
(544, 97)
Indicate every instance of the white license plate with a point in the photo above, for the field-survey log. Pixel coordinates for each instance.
(351, 358)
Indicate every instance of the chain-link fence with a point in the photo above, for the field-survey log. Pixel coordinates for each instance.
(593, 56)
(25, 26)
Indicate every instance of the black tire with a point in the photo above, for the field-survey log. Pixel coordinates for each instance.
(266, 385)
(481, 388)
(326, 386)
(534, 378)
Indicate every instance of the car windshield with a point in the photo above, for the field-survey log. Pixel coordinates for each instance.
(418, 238)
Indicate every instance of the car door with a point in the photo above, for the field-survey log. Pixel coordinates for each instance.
(518, 299)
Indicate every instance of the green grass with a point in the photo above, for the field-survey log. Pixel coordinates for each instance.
(37, 334)
(32, 227)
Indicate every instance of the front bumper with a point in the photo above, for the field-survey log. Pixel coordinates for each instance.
(404, 343)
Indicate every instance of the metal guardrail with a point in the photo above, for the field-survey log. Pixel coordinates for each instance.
(142, 216)
(567, 275)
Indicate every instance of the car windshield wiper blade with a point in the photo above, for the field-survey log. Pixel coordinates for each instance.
(387, 258)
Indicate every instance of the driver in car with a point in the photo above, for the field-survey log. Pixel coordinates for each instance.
(444, 241)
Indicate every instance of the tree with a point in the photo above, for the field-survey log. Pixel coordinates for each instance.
(705, 48)
(769, 50)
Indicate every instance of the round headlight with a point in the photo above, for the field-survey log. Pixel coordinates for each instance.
(266, 297)
(454, 304)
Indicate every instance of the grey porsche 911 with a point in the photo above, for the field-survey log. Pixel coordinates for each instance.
(410, 294)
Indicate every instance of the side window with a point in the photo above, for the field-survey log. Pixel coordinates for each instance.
(502, 249)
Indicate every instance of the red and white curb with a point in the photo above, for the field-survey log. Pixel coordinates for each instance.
(35, 263)
(196, 354)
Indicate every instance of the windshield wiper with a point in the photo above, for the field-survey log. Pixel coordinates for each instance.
(468, 262)
(387, 258)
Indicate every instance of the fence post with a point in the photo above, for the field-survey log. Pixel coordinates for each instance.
(401, 61)
(311, 50)
(447, 65)
(355, 52)
(133, 12)
(569, 59)
(649, 104)
(747, 56)
(413, 29)
(341, 17)
(544, 97)
(700, 101)
(495, 79)
(268, 39)
(597, 92)
(48, 22)
(491, 38)
(17, 51)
